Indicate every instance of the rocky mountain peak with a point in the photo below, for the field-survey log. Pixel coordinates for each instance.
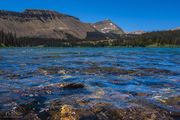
(178, 28)
(107, 26)
(106, 21)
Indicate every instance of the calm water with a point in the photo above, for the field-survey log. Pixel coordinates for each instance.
(114, 75)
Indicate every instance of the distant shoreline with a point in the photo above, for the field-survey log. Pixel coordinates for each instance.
(151, 46)
(154, 39)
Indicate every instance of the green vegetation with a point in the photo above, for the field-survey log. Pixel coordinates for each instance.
(152, 39)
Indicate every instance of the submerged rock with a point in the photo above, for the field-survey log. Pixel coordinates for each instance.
(97, 94)
(51, 56)
(2, 72)
(134, 113)
(62, 72)
(50, 89)
(72, 85)
(66, 112)
(119, 96)
(66, 77)
(171, 110)
(106, 111)
(31, 116)
(25, 111)
(70, 109)
(172, 102)
(52, 70)
(14, 76)
(1, 58)
(107, 70)
(152, 71)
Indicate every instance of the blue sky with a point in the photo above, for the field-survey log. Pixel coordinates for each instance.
(131, 15)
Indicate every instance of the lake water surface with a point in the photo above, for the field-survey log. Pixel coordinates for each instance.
(48, 79)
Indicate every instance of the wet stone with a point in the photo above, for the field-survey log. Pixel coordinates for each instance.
(98, 84)
(107, 70)
(33, 104)
(119, 96)
(26, 111)
(172, 101)
(44, 114)
(138, 94)
(36, 91)
(66, 77)
(142, 94)
(152, 71)
(11, 75)
(172, 111)
(1, 58)
(72, 85)
(99, 93)
(2, 72)
(31, 116)
(49, 89)
(14, 76)
(51, 57)
(66, 112)
(106, 111)
(117, 82)
(52, 70)
(2, 114)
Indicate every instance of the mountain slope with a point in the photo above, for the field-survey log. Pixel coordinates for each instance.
(107, 26)
(178, 28)
(43, 24)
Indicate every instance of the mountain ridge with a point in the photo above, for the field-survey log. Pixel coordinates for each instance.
(52, 24)
(51, 28)
(43, 24)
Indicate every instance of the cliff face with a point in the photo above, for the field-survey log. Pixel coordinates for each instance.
(43, 24)
(107, 26)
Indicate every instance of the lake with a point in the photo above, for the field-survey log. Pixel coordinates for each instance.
(93, 83)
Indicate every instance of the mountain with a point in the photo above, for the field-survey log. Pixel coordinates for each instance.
(44, 24)
(139, 32)
(107, 26)
(50, 28)
(178, 28)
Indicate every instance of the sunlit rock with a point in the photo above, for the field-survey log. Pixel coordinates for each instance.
(66, 112)
(99, 93)
(66, 76)
(171, 101)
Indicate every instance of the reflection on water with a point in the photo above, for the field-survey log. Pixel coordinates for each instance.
(83, 83)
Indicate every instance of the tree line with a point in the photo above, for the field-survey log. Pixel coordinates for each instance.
(159, 38)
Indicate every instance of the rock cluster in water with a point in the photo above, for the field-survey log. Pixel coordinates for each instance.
(93, 104)
(89, 111)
